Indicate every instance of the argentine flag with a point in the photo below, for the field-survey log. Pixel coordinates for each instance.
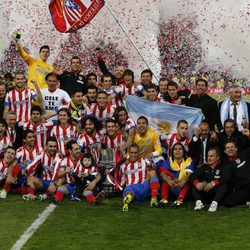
(163, 117)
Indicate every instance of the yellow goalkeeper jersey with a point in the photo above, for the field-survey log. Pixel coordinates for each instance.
(37, 69)
(148, 143)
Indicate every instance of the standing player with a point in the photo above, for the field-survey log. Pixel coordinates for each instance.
(4, 140)
(64, 131)
(53, 97)
(40, 127)
(19, 99)
(101, 110)
(91, 140)
(126, 125)
(180, 136)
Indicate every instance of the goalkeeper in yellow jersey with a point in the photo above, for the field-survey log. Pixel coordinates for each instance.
(147, 140)
(38, 68)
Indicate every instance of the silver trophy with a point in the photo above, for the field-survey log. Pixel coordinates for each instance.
(107, 158)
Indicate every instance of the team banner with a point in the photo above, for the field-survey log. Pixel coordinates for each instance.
(163, 117)
(70, 15)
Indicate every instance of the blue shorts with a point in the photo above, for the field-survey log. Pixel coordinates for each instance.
(141, 191)
(45, 184)
(70, 187)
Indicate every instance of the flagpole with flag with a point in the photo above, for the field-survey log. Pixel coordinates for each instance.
(132, 42)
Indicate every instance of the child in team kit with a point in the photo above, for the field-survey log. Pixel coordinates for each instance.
(87, 180)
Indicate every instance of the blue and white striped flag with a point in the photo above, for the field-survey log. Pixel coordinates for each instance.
(163, 117)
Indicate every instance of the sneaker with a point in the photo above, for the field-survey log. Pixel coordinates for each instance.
(153, 202)
(75, 199)
(28, 197)
(163, 203)
(42, 197)
(248, 204)
(99, 198)
(177, 204)
(3, 194)
(213, 206)
(126, 200)
(198, 205)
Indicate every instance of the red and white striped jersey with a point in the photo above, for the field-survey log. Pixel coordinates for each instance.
(116, 101)
(3, 170)
(48, 164)
(128, 125)
(20, 102)
(101, 115)
(161, 98)
(91, 144)
(25, 156)
(114, 143)
(4, 143)
(171, 139)
(67, 162)
(41, 131)
(123, 90)
(62, 135)
(134, 172)
(83, 170)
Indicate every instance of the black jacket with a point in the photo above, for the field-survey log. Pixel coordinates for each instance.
(104, 70)
(219, 175)
(209, 108)
(240, 169)
(195, 148)
(70, 82)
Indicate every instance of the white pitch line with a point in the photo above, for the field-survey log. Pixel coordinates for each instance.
(34, 226)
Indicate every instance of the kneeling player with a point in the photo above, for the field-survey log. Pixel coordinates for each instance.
(138, 179)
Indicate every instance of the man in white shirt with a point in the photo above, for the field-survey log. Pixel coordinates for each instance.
(53, 97)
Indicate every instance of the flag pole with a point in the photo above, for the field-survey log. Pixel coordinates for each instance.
(132, 42)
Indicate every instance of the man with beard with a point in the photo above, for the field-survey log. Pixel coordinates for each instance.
(91, 140)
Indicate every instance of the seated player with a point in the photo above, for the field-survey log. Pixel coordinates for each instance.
(64, 171)
(140, 182)
(40, 173)
(87, 179)
(210, 181)
(175, 173)
(238, 163)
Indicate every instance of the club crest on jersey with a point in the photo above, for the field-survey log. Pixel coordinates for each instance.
(71, 5)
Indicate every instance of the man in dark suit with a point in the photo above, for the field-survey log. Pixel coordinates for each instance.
(235, 108)
(206, 103)
(13, 131)
(201, 143)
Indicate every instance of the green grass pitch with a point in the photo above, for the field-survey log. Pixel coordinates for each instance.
(81, 226)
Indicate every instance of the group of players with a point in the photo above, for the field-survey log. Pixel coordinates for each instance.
(69, 136)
